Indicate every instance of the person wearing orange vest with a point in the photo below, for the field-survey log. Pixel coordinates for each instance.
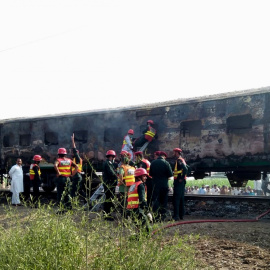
(180, 174)
(34, 173)
(76, 180)
(142, 162)
(63, 167)
(137, 198)
(148, 135)
(126, 178)
(127, 143)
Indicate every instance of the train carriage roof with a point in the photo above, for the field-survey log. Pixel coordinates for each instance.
(219, 96)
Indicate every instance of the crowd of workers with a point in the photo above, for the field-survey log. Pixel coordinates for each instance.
(143, 187)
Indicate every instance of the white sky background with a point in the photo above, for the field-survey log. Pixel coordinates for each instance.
(74, 55)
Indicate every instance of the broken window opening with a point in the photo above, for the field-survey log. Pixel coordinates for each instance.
(25, 139)
(8, 140)
(81, 136)
(239, 124)
(191, 128)
(51, 138)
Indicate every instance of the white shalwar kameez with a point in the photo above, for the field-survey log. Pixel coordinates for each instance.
(16, 174)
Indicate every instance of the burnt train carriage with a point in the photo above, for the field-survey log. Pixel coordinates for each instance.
(220, 133)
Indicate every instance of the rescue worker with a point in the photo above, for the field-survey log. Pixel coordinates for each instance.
(62, 167)
(136, 201)
(148, 135)
(180, 174)
(127, 143)
(156, 154)
(76, 180)
(126, 178)
(34, 174)
(109, 183)
(160, 171)
(142, 162)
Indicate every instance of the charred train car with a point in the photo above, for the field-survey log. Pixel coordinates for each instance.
(221, 133)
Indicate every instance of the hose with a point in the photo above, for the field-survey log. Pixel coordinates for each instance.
(210, 220)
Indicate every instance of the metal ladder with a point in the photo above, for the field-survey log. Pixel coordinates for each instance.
(98, 197)
(144, 147)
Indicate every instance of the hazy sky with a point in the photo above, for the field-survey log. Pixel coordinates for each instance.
(75, 55)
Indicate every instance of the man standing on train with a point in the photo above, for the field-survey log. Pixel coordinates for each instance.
(148, 135)
(63, 170)
(127, 143)
(180, 174)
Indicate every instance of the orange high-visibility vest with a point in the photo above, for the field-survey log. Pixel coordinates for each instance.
(64, 166)
(150, 134)
(78, 164)
(176, 172)
(133, 196)
(32, 173)
(128, 176)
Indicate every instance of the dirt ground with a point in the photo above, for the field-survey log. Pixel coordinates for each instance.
(237, 245)
(241, 245)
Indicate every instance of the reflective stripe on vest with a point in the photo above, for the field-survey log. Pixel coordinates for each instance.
(133, 196)
(32, 172)
(64, 166)
(79, 166)
(176, 172)
(128, 176)
(150, 134)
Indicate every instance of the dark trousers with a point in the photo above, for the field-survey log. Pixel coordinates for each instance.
(179, 199)
(139, 142)
(149, 185)
(160, 199)
(35, 184)
(139, 217)
(63, 191)
(109, 191)
(76, 185)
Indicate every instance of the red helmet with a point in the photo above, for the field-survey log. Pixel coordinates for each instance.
(139, 153)
(140, 172)
(150, 122)
(124, 153)
(131, 131)
(37, 158)
(110, 153)
(157, 153)
(177, 150)
(62, 151)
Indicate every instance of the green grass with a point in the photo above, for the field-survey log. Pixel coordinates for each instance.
(219, 181)
(44, 240)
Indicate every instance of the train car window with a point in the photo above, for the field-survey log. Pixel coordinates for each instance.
(239, 124)
(51, 138)
(25, 139)
(81, 136)
(191, 128)
(8, 140)
(110, 134)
